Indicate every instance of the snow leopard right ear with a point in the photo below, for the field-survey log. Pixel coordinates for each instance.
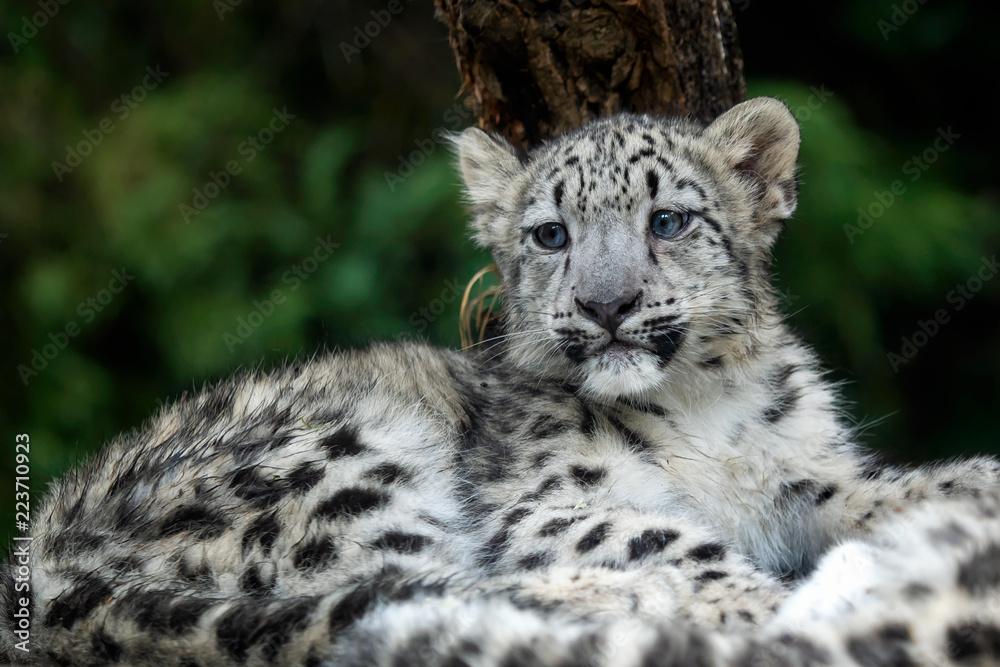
(759, 139)
(488, 163)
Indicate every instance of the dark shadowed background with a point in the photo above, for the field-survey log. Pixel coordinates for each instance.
(174, 177)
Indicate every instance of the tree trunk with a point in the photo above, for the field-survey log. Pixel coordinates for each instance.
(536, 68)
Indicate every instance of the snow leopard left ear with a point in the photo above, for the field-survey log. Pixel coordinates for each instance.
(488, 163)
(759, 138)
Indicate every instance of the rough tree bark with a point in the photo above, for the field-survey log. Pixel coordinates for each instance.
(535, 68)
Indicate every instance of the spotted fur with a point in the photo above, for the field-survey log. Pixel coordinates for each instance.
(644, 467)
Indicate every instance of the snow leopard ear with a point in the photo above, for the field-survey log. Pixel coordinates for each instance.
(488, 163)
(759, 138)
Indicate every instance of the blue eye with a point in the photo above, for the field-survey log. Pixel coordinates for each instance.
(668, 224)
(551, 235)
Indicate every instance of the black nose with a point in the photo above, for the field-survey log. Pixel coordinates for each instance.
(609, 315)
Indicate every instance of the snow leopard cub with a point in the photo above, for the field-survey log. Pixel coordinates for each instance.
(640, 470)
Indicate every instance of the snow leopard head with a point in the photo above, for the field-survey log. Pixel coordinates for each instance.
(635, 248)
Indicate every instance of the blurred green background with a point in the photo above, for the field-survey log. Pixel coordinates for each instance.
(247, 280)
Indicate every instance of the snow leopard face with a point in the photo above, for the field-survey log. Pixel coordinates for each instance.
(636, 247)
